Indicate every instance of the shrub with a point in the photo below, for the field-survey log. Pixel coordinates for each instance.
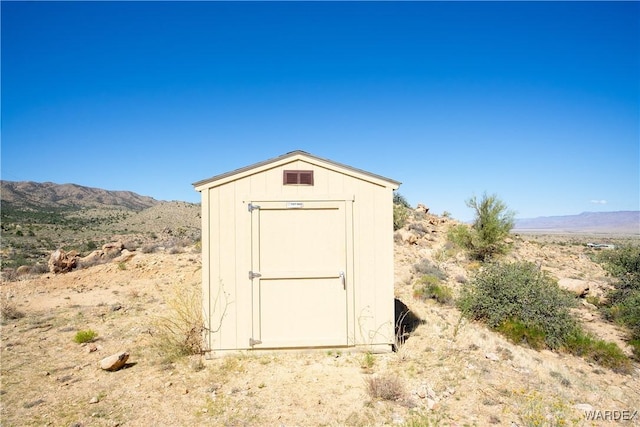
(399, 199)
(518, 332)
(385, 387)
(429, 287)
(9, 311)
(400, 215)
(460, 235)
(526, 305)
(426, 267)
(596, 350)
(623, 301)
(85, 336)
(180, 332)
(147, 249)
(519, 293)
(493, 222)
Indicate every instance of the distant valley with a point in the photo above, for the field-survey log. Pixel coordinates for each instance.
(621, 222)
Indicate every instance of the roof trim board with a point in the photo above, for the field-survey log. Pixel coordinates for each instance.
(233, 175)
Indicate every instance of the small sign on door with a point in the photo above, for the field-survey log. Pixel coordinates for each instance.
(295, 205)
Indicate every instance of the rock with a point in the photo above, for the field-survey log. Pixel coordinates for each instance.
(492, 356)
(125, 256)
(115, 361)
(62, 262)
(112, 250)
(92, 258)
(422, 208)
(23, 270)
(94, 400)
(583, 407)
(425, 391)
(407, 236)
(576, 286)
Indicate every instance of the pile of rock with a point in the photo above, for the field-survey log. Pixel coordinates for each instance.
(63, 262)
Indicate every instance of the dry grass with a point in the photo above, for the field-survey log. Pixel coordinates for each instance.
(385, 387)
(9, 310)
(179, 331)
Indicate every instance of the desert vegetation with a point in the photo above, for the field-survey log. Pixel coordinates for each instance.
(622, 303)
(494, 340)
(491, 225)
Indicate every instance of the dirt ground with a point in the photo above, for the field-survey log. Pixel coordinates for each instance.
(449, 372)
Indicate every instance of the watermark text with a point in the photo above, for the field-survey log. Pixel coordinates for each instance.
(600, 415)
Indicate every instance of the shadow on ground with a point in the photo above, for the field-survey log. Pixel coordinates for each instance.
(406, 322)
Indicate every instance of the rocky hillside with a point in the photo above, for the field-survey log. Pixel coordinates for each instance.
(38, 218)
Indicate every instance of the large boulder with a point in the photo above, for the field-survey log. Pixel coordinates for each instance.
(62, 262)
(576, 286)
(422, 209)
(407, 236)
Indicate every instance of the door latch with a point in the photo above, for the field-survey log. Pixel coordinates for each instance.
(343, 279)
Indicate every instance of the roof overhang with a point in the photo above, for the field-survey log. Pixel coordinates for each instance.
(224, 178)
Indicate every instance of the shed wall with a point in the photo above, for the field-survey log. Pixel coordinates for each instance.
(226, 244)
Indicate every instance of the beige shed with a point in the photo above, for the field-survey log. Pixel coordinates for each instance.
(297, 252)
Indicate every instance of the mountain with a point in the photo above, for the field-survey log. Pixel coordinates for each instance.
(35, 195)
(621, 222)
(37, 218)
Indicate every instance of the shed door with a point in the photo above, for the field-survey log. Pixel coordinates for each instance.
(299, 250)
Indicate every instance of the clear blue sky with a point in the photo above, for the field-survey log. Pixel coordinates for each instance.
(537, 102)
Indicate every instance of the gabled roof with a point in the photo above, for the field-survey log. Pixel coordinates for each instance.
(288, 158)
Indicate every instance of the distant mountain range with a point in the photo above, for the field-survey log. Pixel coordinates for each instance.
(621, 222)
(37, 195)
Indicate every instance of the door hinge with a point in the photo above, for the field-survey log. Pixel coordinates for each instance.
(253, 342)
(251, 207)
(253, 275)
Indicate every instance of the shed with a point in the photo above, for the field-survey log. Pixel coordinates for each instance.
(297, 252)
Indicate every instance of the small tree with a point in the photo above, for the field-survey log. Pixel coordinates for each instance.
(492, 223)
(400, 210)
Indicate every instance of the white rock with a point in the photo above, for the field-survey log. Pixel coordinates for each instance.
(492, 356)
(583, 407)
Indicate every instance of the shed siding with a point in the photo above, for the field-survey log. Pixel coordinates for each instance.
(226, 246)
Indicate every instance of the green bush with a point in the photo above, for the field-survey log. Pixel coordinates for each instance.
(595, 350)
(400, 216)
(460, 235)
(519, 292)
(85, 336)
(492, 223)
(623, 301)
(526, 305)
(399, 199)
(429, 287)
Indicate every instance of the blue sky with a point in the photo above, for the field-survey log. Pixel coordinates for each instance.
(537, 102)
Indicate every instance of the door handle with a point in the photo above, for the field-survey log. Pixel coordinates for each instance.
(343, 280)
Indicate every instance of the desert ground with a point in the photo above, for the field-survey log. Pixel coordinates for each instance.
(448, 372)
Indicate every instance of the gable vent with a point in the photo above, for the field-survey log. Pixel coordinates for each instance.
(297, 177)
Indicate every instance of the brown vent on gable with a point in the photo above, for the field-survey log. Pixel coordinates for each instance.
(295, 177)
